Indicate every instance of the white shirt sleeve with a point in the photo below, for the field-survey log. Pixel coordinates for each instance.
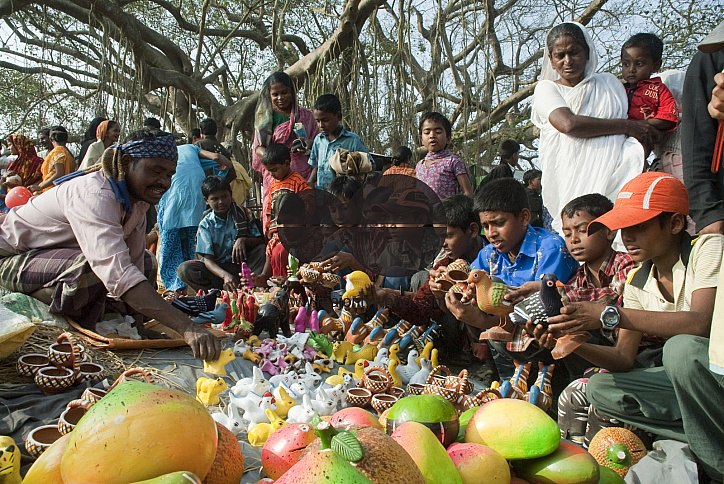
(547, 98)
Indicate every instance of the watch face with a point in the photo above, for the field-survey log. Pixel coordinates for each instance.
(609, 317)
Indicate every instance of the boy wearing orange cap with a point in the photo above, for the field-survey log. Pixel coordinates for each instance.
(671, 296)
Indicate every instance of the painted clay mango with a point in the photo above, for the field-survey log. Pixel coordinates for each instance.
(514, 428)
(46, 470)
(228, 466)
(569, 464)
(428, 453)
(432, 411)
(475, 460)
(180, 477)
(137, 432)
(609, 476)
(385, 461)
(323, 467)
(354, 415)
(284, 448)
(464, 419)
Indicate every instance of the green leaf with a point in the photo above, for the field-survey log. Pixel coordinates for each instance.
(346, 445)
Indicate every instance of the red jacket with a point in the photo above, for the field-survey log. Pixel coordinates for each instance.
(651, 99)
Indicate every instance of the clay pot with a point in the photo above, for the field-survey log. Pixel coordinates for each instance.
(377, 380)
(125, 376)
(53, 380)
(89, 371)
(28, 365)
(330, 280)
(66, 351)
(415, 389)
(72, 414)
(397, 392)
(309, 276)
(359, 397)
(458, 271)
(459, 290)
(92, 395)
(39, 439)
(383, 401)
(445, 283)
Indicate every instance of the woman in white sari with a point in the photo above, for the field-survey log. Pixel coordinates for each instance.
(587, 144)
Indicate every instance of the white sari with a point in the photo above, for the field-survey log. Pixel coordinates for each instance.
(578, 166)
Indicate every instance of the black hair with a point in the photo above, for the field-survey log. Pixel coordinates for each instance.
(459, 211)
(593, 203)
(276, 154)
(501, 171)
(438, 118)
(90, 133)
(278, 77)
(46, 132)
(208, 127)
(649, 42)
(59, 134)
(403, 154)
(664, 218)
(570, 29)
(372, 177)
(344, 186)
(195, 133)
(508, 148)
(152, 123)
(502, 195)
(144, 133)
(214, 183)
(328, 103)
(531, 175)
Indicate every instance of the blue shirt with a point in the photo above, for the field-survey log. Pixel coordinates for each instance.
(541, 253)
(323, 149)
(183, 204)
(216, 236)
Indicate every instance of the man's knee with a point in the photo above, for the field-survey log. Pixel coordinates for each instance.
(684, 352)
(185, 270)
(597, 387)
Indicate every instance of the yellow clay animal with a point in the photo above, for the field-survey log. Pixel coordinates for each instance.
(253, 341)
(426, 351)
(367, 352)
(284, 403)
(259, 433)
(394, 349)
(392, 368)
(434, 359)
(339, 350)
(9, 461)
(208, 389)
(251, 356)
(217, 367)
(357, 282)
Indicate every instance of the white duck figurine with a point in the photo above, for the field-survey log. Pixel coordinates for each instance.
(382, 360)
(256, 413)
(285, 378)
(407, 371)
(301, 413)
(421, 376)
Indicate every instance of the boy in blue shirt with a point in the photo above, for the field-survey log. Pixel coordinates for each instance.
(332, 135)
(227, 236)
(517, 253)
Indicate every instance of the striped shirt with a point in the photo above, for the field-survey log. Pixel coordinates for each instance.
(293, 183)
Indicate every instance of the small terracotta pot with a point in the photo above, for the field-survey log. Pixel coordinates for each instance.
(28, 365)
(359, 397)
(39, 439)
(89, 371)
(66, 351)
(53, 380)
(128, 373)
(414, 389)
(397, 392)
(309, 276)
(445, 283)
(377, 380)
(92, 395)
(72, 414)
(383, 401)
(459, 290)
(458, 270)
(330, 280)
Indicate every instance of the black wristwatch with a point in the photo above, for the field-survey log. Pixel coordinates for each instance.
(610, 318)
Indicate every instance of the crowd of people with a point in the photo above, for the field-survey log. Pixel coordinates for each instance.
(637, 245)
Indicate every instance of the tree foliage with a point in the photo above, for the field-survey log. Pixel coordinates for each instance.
(477, 61)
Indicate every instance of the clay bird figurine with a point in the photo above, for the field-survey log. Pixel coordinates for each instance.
(367, 352)
(425, 369)
(357, 332)
(425, 353)
(394, 349)
(540, 306)
(434, 361)
(541, 393)
(195, 305)
(9, 461)
(407, 371)
(356, 287)
(216, 316)
(300, 320)
(313, 322)
(392, 370)
(489, 292)
(517, 386)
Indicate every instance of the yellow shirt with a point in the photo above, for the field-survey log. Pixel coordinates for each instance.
(59, 155)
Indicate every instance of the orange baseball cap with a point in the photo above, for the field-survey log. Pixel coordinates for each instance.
(642, 199)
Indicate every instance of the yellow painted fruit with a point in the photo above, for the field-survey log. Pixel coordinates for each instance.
(137, 432)
(46, 470)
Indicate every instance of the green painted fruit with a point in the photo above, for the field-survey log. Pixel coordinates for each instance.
(514, 428)
(432, 411)
(138, 432)
(464, 419)
(323, 467)
(180, 477)
(569, 464)
(609, 476)
(428, 453)
(475, 460)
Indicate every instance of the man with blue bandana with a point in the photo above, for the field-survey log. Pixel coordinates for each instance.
(81, 246)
